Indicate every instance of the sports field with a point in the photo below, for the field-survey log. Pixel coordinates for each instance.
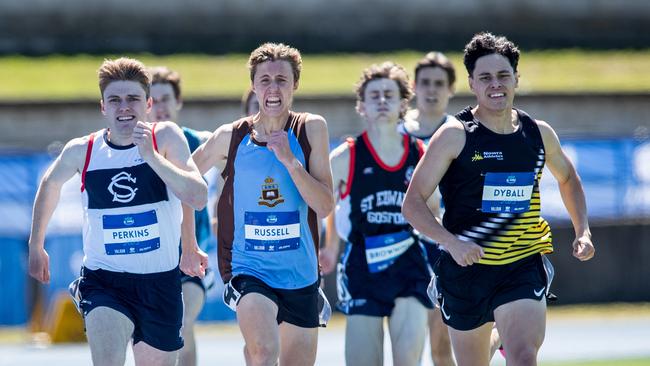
(73, 77)
(611, 335)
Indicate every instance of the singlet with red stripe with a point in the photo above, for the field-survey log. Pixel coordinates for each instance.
(131, 218)
(371, 202)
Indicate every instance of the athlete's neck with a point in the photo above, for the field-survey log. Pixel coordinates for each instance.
(118, 140)
(500, 121)
(383, 135)
(265, 125)
(422, 124)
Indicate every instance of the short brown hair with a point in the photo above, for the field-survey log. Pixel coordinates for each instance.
(165, 75)
(275, 52)
(437, 59)
(123, 69)
(386, 70)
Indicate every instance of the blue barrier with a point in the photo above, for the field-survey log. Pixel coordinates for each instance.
(13, 287)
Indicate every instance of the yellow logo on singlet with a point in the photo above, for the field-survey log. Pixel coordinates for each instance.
(477, 156)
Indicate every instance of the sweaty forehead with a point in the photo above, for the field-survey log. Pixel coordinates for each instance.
(492, 63)
(274, 68)
(123, 88)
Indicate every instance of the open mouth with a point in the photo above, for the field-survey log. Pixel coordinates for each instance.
(496, 95)
(125, 118)
(273, 102)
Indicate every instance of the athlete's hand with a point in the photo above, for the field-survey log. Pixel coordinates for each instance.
(583, 248)
(279, 143)
(39, 265)
(194, 262)
(143, 138)
(465, 253)
(327, 257)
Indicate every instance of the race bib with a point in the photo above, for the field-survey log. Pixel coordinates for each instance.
(383, 250)
(131, 233)
(272, 231)
(507, 192)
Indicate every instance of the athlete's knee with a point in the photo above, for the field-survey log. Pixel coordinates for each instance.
(441, 353)
(521, 355)
(262, 354)
(108, 358)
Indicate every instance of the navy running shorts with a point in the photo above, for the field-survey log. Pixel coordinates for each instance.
(152, 301)
(361, 292)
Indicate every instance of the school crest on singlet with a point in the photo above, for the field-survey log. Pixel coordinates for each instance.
(270, 195)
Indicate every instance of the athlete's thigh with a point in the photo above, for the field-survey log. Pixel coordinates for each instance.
(256, 315)
(364, 340)
(108, 332)
(521, 323)
(297, 345)
(408, 327)
(193, 300)
(438, 332)
(471, 347)
(146, 355)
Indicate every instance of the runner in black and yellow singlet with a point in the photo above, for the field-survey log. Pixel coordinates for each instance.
(488, 167)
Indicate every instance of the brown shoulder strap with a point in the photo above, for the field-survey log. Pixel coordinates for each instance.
(240, 129)
(298, 125)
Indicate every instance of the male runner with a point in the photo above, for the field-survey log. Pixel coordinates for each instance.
(383, 272)
(134, 176)
(277, 184)
(488, 167)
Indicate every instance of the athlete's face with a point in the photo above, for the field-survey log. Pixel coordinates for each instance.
(165, 104)
(382, 102)
(124, 103)
(494, 82)
(274, 85)
(432, 90)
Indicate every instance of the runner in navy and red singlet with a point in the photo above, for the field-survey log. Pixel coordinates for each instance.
(382, 272)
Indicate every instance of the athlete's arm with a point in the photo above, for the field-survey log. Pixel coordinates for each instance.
(571, 191)
(214, 151)
(194, 261)
(340, 161)
(445, 146)
(434, 204)
(66, 165)
(203, 136)
(314, 186)
(172, 162)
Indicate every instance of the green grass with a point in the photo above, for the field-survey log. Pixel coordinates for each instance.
(624, 362)
(72, 77)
